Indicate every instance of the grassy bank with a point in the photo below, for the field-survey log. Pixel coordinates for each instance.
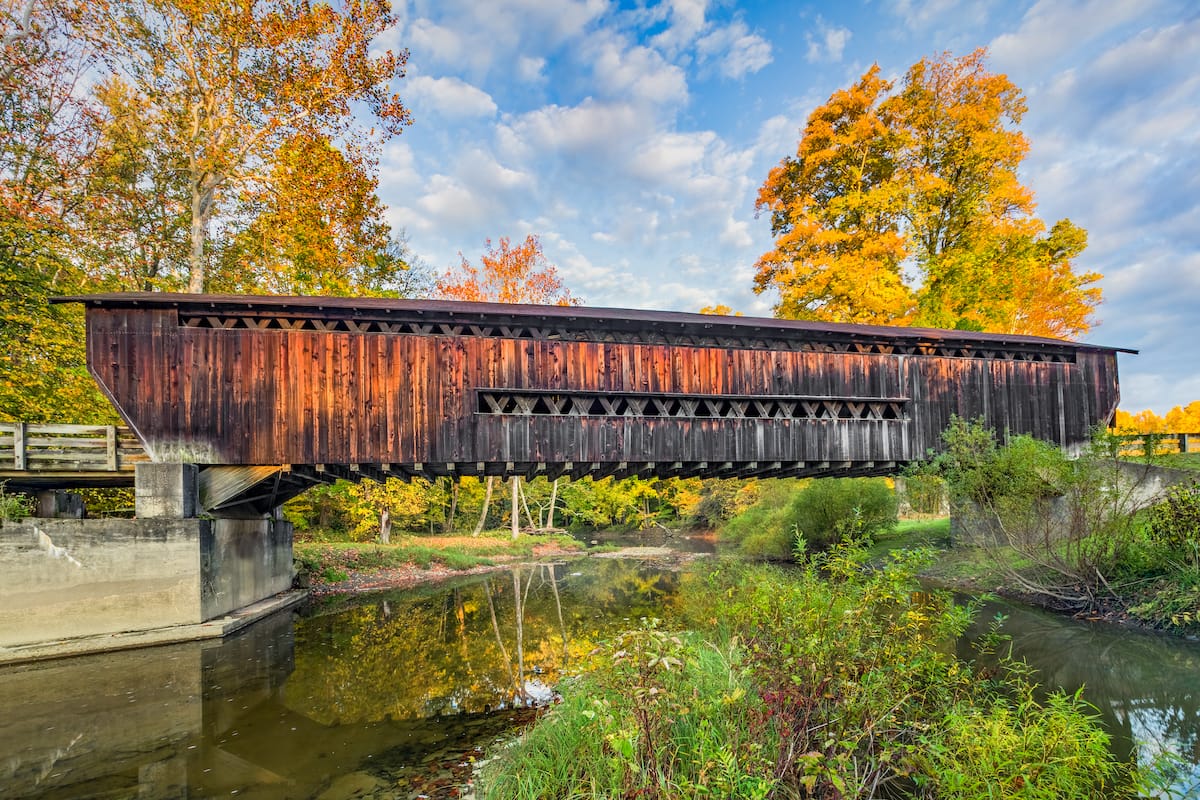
(829, 681)
(333, 561)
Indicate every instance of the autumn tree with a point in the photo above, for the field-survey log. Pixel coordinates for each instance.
(902, 205)
(230, 84)
(46, 141)
(130, 226)
(313, 226)
(1180, 419)
(835, 211)
(508, 274)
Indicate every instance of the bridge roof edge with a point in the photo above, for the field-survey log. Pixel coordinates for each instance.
(626, 318)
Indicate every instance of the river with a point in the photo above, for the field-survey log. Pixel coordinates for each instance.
(393, 695)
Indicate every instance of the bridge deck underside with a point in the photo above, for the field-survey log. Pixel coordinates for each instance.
(282, 483)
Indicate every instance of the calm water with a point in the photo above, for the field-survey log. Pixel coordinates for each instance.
(393, 695)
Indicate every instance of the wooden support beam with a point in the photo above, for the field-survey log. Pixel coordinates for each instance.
(19, 461)
(110, 447)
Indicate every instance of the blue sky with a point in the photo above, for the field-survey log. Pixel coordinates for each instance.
(633, 137)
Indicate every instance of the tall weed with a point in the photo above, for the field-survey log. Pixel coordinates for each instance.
(826, 681)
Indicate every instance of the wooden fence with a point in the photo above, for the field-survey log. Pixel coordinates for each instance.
(28, 447)
(1141, 444)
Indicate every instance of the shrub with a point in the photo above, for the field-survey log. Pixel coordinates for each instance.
(762, 529)
(828, 681)
(1175, 523)
(14, 507)
(659, 715)
(820, 512)
(1067, 531)
(831, 510)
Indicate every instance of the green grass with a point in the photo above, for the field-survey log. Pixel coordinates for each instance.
(1188, 461)
(912, 533)
(326, 559)
(959, 566)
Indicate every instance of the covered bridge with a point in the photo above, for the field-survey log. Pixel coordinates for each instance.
(304, 389)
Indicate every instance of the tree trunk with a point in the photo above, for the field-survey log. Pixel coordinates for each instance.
(487, 501)
(533, 524)
(553, 500)
(385, 527)
(516, 508)
(203, 193)
(448, 527)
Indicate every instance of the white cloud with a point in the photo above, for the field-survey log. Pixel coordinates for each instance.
(735, 50)
(736, 233)
(827, 44)
(635, 73)
(484, 34)
(530, 69)
(671, 158)
(686, 22)
(449, 203)
(440, 44)
(1053, 30)
(593, 128)
(450, 97)
(920, 15)
(397, 166)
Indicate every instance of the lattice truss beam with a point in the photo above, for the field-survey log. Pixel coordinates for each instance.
(828, 344)
(590, 404)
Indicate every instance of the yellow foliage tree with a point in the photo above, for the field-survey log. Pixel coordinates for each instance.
(902, 205)
(229, 83)
(316, 227)
(1180, 419)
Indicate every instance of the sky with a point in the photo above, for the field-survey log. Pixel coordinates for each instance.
(632, 137)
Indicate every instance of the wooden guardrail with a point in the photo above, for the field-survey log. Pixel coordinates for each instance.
(1159, 444)
(68, 448)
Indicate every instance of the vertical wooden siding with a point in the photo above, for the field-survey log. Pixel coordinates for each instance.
(243, 396)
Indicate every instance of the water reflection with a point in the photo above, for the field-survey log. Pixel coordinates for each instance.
(1145, 687)
(487, 644)
(390, 695)
(383, 696)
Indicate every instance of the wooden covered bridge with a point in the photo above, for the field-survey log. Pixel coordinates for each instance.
(269, 395)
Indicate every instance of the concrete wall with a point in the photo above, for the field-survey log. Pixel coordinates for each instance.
(71, 578)
(1139, 485)
(243, 561)
(66, 578)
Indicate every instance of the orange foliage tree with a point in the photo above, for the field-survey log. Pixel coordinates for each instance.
(508, 274)
(902, 205)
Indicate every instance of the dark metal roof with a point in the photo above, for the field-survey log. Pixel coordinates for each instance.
(573, 316)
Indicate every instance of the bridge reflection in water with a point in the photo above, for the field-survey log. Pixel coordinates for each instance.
(392, 692)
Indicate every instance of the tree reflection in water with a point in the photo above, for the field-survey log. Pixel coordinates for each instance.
(471, 647)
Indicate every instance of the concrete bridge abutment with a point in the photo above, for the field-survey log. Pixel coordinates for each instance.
(173, 573)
